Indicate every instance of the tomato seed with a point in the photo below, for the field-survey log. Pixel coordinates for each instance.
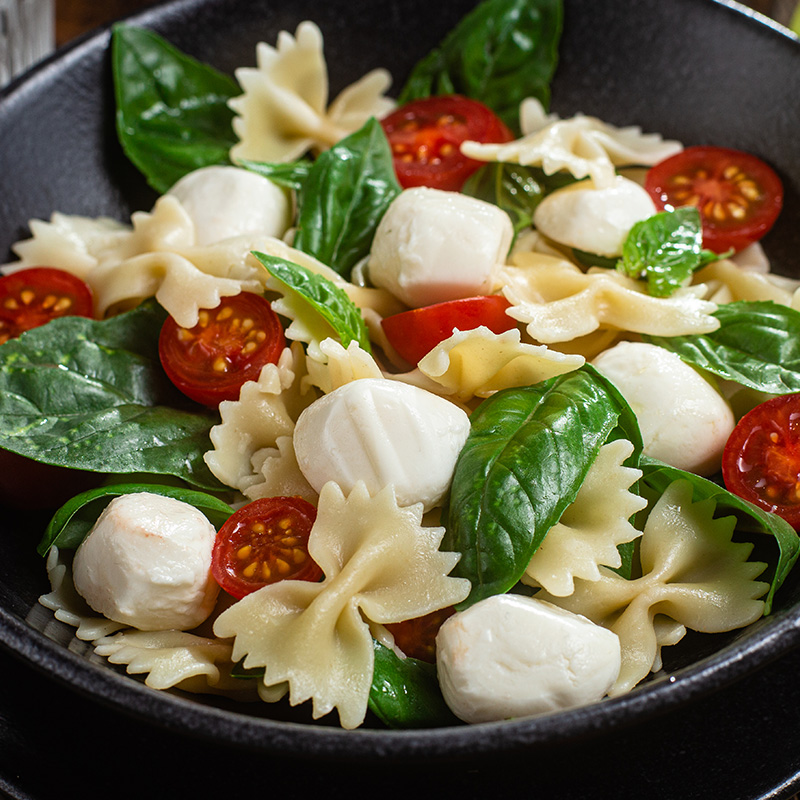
(225, 313)
(244, 552)
(27, 296)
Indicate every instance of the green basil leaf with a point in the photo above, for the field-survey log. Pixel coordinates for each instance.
(516, 189)
(526, 457)
(405, 692)
(72, 522)
(93, 395)
(344, 196)
(500, 53)
(327, 299)
(292, 174)
(664, 249)
(172, 111)
(659, 476)
(757, 345)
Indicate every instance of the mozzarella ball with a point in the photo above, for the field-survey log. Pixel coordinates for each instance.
(684, 421)
(593, 220)
(382, 432)
(512, 656)
(225, 201)
(432, 246)
(147, 563)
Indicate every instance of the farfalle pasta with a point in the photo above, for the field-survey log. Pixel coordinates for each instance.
(380, 564)
(284, 110)
(586, 147)
(559, 302)
(692, 572)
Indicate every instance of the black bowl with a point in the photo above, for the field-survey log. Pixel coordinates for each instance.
(696, 70)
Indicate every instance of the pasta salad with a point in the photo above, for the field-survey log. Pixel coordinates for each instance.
(436, 408)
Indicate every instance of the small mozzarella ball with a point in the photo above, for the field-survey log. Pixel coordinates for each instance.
(225, 201)
(512, 656)
(147, 563)
(685, 422)
(432, 246)
(382, 432)
(593, 220)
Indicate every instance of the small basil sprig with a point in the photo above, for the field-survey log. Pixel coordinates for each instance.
(324, 296)
(500, 53)
(756, 345)
(526, 457)
(93, 395)
(343, 198)
(514, 188)
(72, 522)
(172, 111)
(658, 476)
(665, 250)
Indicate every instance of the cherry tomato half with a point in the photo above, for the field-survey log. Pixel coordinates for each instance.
(738, 195)
(32, 297)
(417, 637)
(416, 332)
(426, 135)
(264, 542)
(761, 460)
(228, 346)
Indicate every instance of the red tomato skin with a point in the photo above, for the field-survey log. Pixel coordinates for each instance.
(228, 563)
(425, 136)
(34, 296)
(761, 460)
(417, 637)
(703, 180)
(414, 333)
(189, 355)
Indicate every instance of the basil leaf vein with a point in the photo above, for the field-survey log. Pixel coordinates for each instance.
(525, 459)
(500, 53)
(92, 395)
(756, 345)
(172, 110)
(325, 297)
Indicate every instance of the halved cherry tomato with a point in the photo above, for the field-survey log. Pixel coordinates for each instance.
(426, 135)
(761, 460)
(32, 297)
(228, 346)
(416, 332)
(738, 195)
(417, 637)
(264, 542)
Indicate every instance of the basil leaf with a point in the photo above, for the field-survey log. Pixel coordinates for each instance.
(292, 174)
(757, 345)
(172, 111)
(325, 297)
(72, 522)
(93, 395)
(344, 196)
(516, 189)
(526, 456)
(664, 249)
(405, 692)
(659, 476)
(500, 53)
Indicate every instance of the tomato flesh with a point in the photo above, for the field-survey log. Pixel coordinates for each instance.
(32, 297)
(415, 333)
(264, 542)
(426, 135)
(761, 460)
(417, 637)
(739, 196)
(229, 346)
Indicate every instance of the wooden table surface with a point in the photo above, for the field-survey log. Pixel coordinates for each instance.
(74, 17)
